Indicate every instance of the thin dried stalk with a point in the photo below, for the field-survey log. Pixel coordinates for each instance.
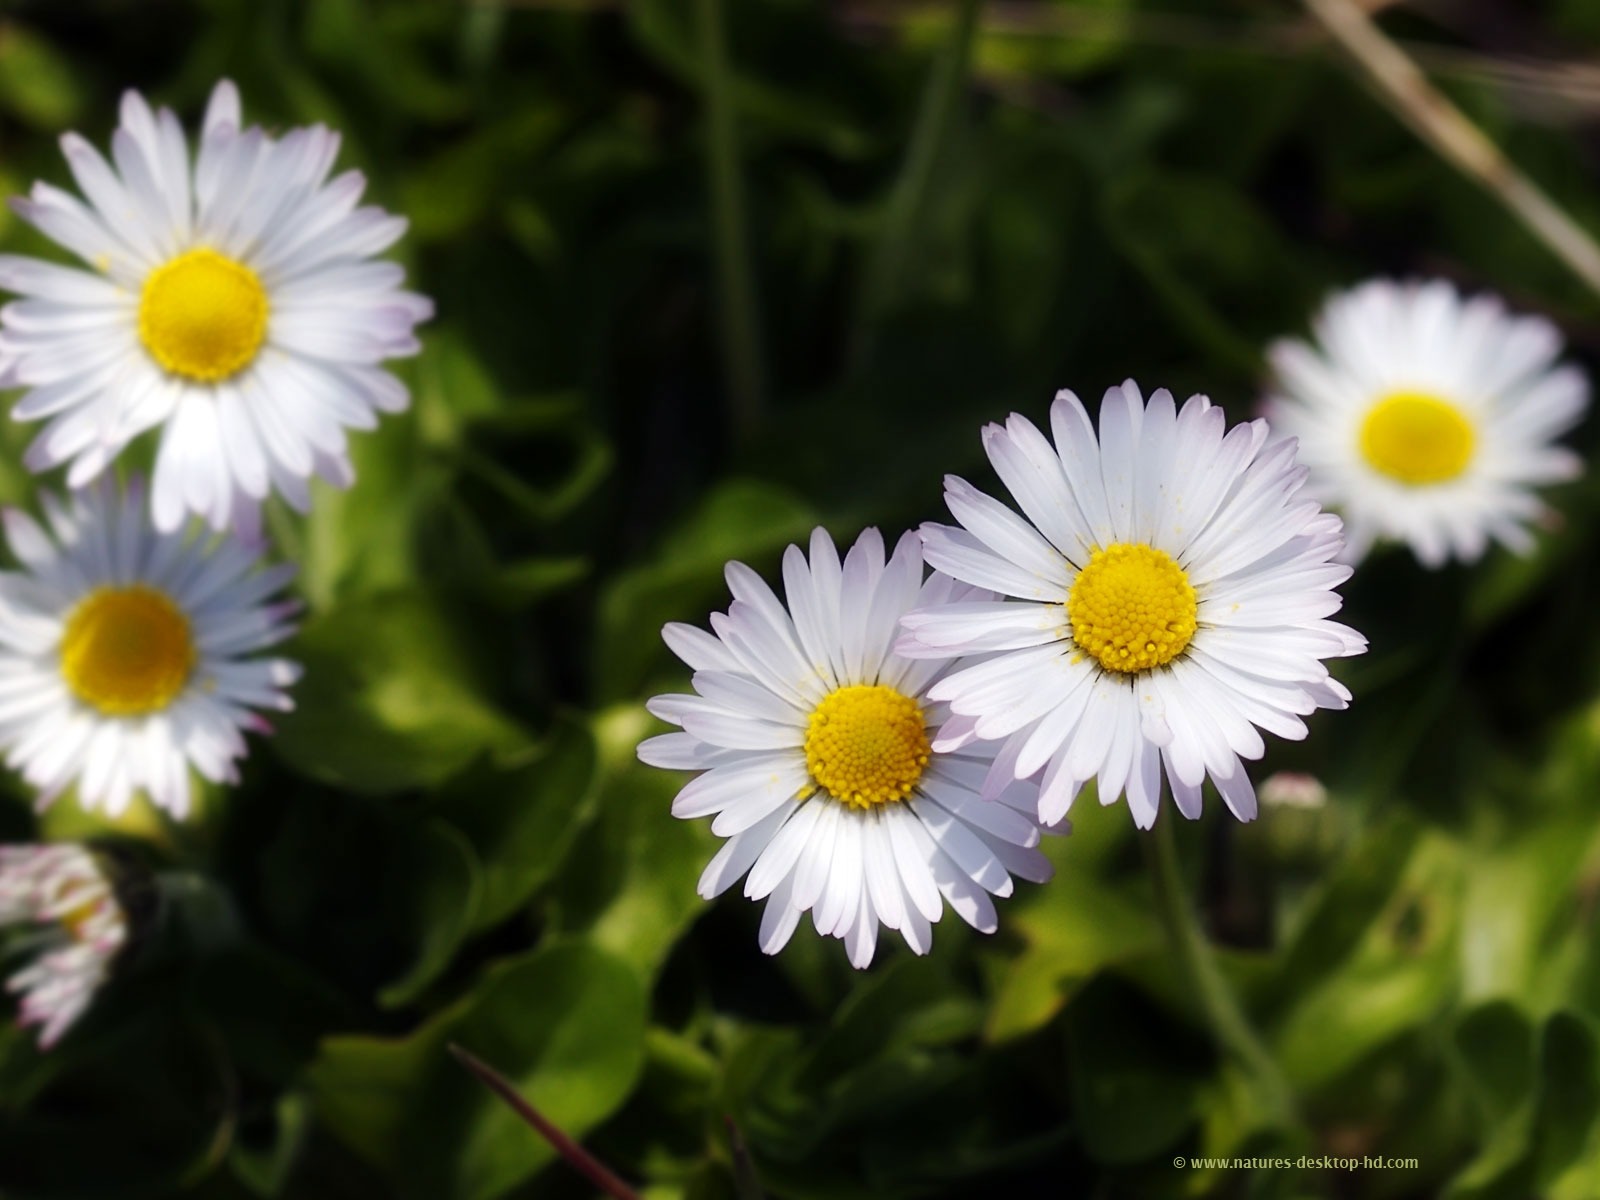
(1443, 126)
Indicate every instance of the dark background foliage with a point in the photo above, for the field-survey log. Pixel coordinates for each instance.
(659, 347)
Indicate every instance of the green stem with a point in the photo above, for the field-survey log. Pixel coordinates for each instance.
(741, 338)
(1229, 1025)
(903, 218)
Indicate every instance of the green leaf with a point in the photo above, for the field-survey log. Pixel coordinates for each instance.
(630, 878)
(456, 188)
(389, 700)
(1518, 898)
(269, 1009)
(522, 822)
(884, 1016)
(1134, 1089)
(565, 1023)
(1073, 926)
(520, 583)
(1496, 1043)
(444, 898)
(266, 1169)
(360, 541)
(37, 83)
(1541, 1109)
(1567, 1112)
(371, 895)
(137, 1112)
(1348, 903)
(1397, 979)
(738, 519)
(666, 31)
(354, 37)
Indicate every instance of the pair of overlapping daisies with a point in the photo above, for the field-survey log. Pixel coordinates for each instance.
(890, 741)
(895, 740)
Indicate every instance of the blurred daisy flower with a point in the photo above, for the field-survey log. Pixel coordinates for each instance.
(822, 759)
(1293, 789)
(126, 654)
(1427, 417)
(230, 300)
(1168, 594)
(63, 889)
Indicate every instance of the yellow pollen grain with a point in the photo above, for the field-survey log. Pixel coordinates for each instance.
(1132, 608)
(1417, 438)
(127, 651)
(867, 745)
(203, 316)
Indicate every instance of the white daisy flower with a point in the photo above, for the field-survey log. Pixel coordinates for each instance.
(63, 889)
(1428, 417)
(822, 761)
(230, 300)
(1169, 595)
(126, 654)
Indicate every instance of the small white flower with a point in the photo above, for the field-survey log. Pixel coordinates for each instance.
(125, 654)
(1168, 597)
(63, 889)
(230, 301)
(1427, 417)
(822, 760)
(1292, 789)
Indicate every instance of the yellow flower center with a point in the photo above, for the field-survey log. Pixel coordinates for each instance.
(76, 922)
(1417, 438)
(1132, 608)
(126, 650)
(203, 316)
(866, 745)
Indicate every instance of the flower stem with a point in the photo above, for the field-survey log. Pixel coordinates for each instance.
(885, 276)
(591, 1168)
(1435, 119)
(736, 300)
(1229, 1025)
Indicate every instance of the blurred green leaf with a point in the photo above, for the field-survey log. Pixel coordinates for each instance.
(1399, 977)
(522, 822)
(739, 519)
(666, 31)
(266, 1170)
(37, 82)
(150, 1109)
(566, 1025)
(1134, 1090)
(1348, 903)
(1097, 32)
(362, 38)
(445, 895)
(389, 701)
(371, 895)
(630, 877)
(360, 541)
(1541, 1105)
(1518, 898)
(456, 188)
(1073, 927)
(1496, 1041)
